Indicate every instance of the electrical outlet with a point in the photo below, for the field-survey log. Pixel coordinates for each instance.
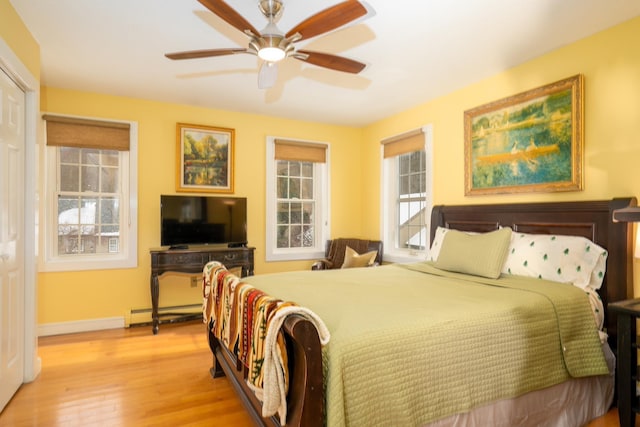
(194, 281)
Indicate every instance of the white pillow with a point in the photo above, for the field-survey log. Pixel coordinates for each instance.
(597, 307)
(436, 245)
(567, 259)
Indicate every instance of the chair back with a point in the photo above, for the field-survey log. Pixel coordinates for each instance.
(336, 248)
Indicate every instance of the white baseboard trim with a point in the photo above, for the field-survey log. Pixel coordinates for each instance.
(61, 328)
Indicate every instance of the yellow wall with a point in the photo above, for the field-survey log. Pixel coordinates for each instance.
(610, 62)
(90, 294)
(19, 39)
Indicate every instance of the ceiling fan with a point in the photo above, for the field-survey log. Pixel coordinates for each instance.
(272, 45)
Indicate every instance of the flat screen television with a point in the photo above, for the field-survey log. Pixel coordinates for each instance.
(202, 220)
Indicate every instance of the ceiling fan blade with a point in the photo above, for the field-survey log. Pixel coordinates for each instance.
(267, 75)
(329, 19)
(334, 62)
(206, 53)
(227, 13)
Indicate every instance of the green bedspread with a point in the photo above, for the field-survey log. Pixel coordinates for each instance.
(408, 347)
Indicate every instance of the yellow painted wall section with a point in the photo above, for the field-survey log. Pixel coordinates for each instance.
(110, 293)
(19, 39)
(610, 63)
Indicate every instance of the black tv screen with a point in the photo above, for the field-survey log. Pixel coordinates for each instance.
(202, 220)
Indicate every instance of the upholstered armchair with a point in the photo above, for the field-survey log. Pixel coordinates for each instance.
(345, 253)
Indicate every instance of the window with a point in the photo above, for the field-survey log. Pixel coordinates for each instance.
(297, 199)
(411, 202)
(406, 199)
(113, 245)
(295, 204)
(88, 197)
(90, 210)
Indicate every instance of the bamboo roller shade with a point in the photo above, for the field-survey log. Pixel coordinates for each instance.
(85, 133)
(407, 142)
(300, 151)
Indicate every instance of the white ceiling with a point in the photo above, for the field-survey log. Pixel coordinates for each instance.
(416, 50)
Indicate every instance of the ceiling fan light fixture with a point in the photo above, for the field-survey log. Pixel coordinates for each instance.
(271, 54)
(271, 48)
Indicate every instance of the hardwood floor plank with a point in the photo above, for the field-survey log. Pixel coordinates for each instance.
(130, 377)
(126, 377)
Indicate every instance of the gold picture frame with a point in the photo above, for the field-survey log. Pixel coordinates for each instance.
(529, 142)
(205, 158)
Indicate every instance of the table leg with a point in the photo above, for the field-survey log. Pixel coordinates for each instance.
(155, 292)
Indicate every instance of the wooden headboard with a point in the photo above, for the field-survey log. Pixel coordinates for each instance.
(591, 219)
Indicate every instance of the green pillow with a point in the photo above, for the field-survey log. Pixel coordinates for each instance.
(477, 254)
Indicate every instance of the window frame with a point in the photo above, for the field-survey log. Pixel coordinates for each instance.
(49, 261)
(321, 189)
(388, 203)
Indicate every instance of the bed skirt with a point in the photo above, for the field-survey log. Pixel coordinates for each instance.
(571, 403)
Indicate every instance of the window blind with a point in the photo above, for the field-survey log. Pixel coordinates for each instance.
(85, 133)
(407, 142)
(300, 151)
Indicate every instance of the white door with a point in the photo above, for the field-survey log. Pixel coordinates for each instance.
(12, 213)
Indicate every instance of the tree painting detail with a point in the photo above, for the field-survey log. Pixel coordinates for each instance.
(206, 158)
(526, 144)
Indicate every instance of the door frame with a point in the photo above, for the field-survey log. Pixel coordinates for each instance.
(14, 67)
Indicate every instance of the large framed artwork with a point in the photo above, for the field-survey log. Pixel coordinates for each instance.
(205, 158)
(530, 142)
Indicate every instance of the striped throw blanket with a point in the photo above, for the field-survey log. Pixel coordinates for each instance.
(248, 322)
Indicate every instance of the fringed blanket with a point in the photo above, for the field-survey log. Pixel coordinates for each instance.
(248, 322)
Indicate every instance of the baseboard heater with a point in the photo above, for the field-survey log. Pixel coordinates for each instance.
(168, 314)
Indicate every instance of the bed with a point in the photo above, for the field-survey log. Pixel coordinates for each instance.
(538, 392)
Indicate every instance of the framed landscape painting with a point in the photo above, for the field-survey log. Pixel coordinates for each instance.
(205, 158)
(530, 142)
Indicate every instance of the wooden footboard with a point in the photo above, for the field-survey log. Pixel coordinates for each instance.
(305, 400)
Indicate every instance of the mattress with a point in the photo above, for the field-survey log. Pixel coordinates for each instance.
(412, 348)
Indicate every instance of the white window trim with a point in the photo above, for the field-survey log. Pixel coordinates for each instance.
(321, 187)
(128, 258)
(388, 198)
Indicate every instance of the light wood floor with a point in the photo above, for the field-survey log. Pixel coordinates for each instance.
(126, 377)
(129, 377)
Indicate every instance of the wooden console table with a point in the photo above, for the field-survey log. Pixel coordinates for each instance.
(193, 260)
